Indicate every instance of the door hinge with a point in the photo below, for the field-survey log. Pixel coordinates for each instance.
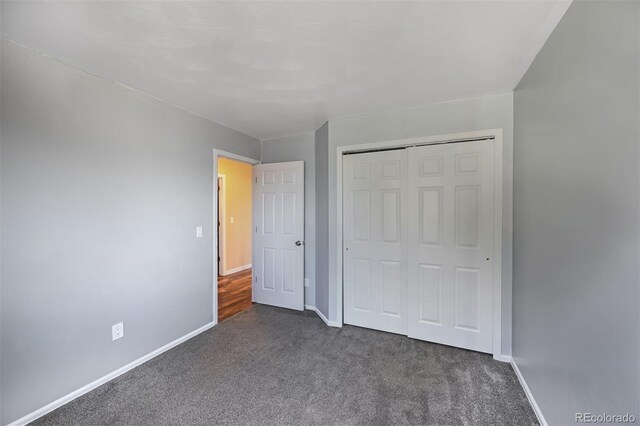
(256, 180)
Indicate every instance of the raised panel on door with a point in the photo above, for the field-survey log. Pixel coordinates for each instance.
(361, 214)
(375, 240)
(289, 216)
(268, 213)
(467, 211)
(430, 293)
(450, 205)
(279, 223)
(466, 283)
(392, 273)
(430, 215)
(268, 269)
(391, 206)
(289, 258)
(362, 285)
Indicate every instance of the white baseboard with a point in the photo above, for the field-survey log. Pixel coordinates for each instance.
(503, 358)
(234, 270)
(321, 315)
(527, 391)
(104, 379)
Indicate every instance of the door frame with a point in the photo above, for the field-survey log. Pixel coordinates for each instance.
(217, 153)
(222, 218)
(496, 134)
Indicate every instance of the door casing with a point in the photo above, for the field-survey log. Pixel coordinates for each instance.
(496, 135)
(221, 224)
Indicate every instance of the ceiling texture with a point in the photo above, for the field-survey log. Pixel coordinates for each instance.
(276, 68)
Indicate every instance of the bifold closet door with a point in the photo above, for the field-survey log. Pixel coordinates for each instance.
(375, 240)
(450, 217)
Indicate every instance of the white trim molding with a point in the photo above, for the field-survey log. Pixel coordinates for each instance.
(503, 358)
(496, 134)
(106, 378)
(234, 270)
(527, 391)
(322, 317)
(222, 222)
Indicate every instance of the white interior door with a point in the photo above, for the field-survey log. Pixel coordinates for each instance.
(278, 256)
(375, 240)
(451, 208)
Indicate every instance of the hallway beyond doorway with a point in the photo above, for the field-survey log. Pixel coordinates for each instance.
(234, 294)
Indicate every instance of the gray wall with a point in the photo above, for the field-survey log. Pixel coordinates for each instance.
(1, 50)
(295, 148)
(322, 219)
(102, 189)
(488, 112)
(576, 215)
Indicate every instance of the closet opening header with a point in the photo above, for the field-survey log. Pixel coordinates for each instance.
(395, 148)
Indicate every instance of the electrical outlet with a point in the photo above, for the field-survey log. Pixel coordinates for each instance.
(117, 331)
(306, 282)
(198, 231)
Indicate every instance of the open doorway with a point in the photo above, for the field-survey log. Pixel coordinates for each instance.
(275, 234)
(234, 235)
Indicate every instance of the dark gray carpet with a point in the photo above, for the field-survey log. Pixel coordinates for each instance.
(275, 366)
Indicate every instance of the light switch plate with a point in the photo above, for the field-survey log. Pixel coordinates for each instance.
(306, 282)
(198, 231)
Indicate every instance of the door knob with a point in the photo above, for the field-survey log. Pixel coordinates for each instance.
(298, 243)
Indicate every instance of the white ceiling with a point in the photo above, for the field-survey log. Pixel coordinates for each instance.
(276, 68)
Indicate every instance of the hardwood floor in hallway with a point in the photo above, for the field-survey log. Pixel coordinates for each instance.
(234, 294)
